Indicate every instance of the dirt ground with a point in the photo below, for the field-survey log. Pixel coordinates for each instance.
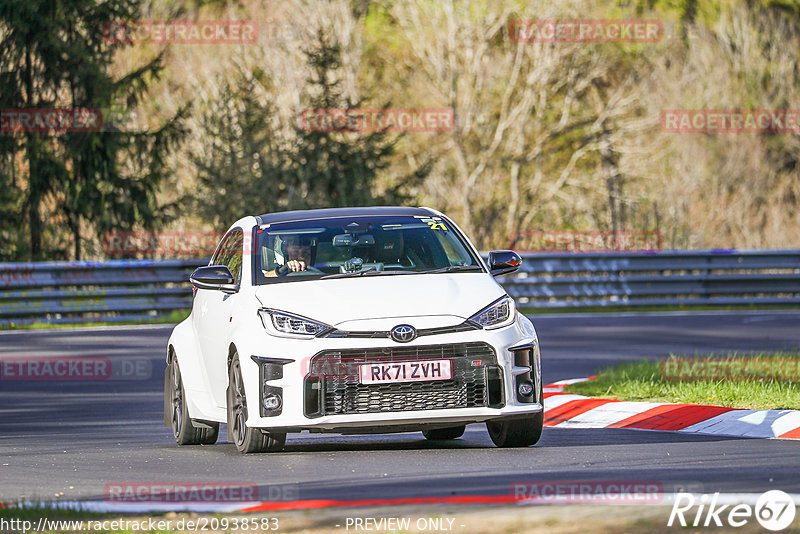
(469, 519)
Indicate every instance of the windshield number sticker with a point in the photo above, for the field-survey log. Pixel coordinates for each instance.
(436, 225)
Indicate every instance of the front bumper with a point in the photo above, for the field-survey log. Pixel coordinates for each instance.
(293, 358)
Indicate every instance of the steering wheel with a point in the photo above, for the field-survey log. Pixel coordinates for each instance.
(310, 269)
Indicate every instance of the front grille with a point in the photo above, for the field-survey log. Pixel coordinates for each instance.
(463, 327)
(332, 386)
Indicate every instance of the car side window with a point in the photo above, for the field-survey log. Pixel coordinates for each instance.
(216, 259)
(229, 253)
(234, 262)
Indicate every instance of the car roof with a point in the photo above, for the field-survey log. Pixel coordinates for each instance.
(307, 215)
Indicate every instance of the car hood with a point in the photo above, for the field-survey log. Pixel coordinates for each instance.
(336, 301)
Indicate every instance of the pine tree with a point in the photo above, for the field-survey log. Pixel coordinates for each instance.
(245, 159)
(56, 54)
(336, 168)
(249, 162)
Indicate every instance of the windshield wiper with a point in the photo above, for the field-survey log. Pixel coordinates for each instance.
(452, 268)
(348, 275)
(369, 272)
(373, 272)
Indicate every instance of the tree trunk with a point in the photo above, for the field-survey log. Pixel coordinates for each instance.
(687, 19)
(610, 162)
(75, 226)
(34, 187)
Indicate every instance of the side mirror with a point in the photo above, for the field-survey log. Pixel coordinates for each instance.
(503, 262)
(213, 277)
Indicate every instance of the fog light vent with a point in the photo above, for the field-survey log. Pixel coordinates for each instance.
(271, 396)
(272, 402)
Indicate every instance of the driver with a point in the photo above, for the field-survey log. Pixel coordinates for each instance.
(297, 254)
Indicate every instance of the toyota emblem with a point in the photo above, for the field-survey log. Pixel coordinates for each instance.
(403, 333)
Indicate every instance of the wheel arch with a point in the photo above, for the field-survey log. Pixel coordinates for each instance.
(167, 382)
(182, 347)
(231, 351)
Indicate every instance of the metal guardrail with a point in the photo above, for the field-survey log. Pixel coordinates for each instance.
(124, 290)
(674, 278)
(86, 291)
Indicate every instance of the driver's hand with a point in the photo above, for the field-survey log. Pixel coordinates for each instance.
(296, 265)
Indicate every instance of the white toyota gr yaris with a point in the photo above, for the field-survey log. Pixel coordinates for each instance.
(352, 321)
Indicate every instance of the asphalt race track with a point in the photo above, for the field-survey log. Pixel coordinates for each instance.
(67, 440)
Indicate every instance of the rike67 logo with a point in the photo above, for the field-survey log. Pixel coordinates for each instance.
(774, 510)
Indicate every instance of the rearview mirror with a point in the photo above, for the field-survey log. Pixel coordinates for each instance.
(348, 240)
(213, 277)
(503, 262)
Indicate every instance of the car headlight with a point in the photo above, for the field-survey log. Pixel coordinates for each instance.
(499, 313)
(284, 324)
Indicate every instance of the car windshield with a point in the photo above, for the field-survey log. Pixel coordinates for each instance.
(359, 246)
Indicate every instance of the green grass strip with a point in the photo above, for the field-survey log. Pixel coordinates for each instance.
(758, 381)
(531, 308)
(173, 317)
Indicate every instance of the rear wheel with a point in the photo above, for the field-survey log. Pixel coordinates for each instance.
(452, 432)
(246, 439)
(517, 432)
(184, 430)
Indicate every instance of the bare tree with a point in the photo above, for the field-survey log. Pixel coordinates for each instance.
(525, 138)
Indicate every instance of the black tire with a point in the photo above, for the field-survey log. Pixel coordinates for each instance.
(184, 429)
(246, 439)
(452, 432)
(517, 432)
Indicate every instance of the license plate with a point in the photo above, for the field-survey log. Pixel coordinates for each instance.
(383, 373)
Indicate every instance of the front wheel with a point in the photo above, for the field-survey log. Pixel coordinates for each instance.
(517, 432)
(177, 414)
(246, 439)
